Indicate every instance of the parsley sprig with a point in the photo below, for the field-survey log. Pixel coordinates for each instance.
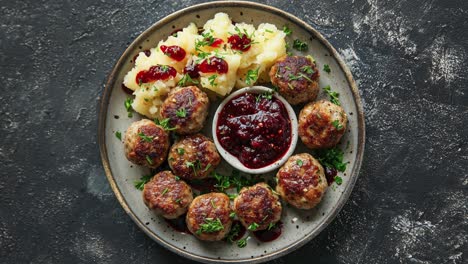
(139, 184)
(300, 45)
(332, 158)
(334, 96)
(224, 182)
(286, 30)
(165, 123)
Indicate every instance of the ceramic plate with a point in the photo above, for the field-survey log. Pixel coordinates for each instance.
(300, 226)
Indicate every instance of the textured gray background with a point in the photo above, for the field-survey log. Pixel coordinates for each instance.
(409, 58)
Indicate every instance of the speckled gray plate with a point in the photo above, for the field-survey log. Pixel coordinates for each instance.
(299, 226)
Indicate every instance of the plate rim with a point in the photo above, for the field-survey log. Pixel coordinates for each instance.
(313, 32)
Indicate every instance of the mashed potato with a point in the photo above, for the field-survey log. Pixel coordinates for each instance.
(245, 68)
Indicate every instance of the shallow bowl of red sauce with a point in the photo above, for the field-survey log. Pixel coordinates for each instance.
(255, 130)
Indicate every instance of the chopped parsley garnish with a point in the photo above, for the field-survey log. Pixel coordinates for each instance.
(141, 183)
(286, 30)
(177, 178)
(165, 191)
(164, 123)
(207, 40)
(149, 160)
(178, 200)
(145, 137)
(231, 196)
(210, 226)
(207, 167)
(242, 242)
(164, 68)
(300, 46)
(118, 135)
(128, 106)
(180, 151)
(337, 125)
(232, 215)
(299, 162)
(266, 95)
(186, 79)
(307, 69)
(269, 31)
(326, 68)
(212, 80)
(338, 180)
(332, 158)
(251, 77)
(181, 112)
(253, 226)
(196, 166)
(333, 95)
(297, 77)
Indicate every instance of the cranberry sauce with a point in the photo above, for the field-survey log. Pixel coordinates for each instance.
(178, 224)
(254, 129)
(204, 186)
(214, 64)
(241, 43)
(330, 174)
(174, 52)
(216, 43)
(192, 70)
(269, 235)
(158, 72)
(240, 230)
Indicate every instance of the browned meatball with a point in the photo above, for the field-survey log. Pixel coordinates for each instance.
(146, 143)
(168, 195)
(193, 157)
(208, 217)
(301, 181)
(187, 109)
(257, 207)
(322, 124)
(296, 78)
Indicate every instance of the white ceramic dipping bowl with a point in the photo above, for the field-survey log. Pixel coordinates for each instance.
(234, 161)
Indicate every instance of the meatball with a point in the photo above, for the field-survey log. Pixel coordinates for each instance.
(168, 195)
(257, 207)
(296, 78)
(301, 181)
(322, 124)
(193, 157)
(208, 217)
(146, 143)
(186, 108)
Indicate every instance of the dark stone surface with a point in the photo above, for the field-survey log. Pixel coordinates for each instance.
(409, 58)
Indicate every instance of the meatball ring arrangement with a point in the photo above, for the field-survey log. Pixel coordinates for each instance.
(180, 156)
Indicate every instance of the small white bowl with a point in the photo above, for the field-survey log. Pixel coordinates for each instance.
(234, 161)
